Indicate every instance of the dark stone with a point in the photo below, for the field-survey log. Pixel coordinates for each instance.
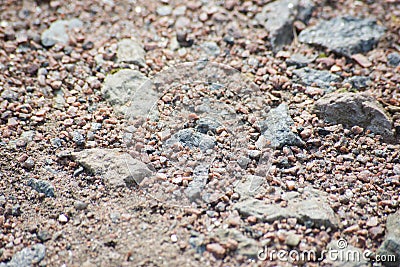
(344, 35)
(358, 82)
(351, 109)
(278, 17)
(394, 59)
(276, 128)
(191, 139)
(321, 78)
(391, 245)
(42, 187)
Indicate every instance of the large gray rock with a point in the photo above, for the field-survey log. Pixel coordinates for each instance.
(58, 32)
(311, 208)
(131, 51)
(276, 128)
(350, 109)
(278, 17)
(344, 35)
(130, 93)
(391, 245)
(117, 168)
(27, 257)
(321, 78)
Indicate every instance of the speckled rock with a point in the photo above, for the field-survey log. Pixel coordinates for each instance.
(344, 35)
(27, 257)
(276, 128)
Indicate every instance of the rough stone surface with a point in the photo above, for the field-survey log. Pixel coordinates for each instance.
(276, 128)
(205, 125)
(246, 246)
(299, 60)
(117, 168)
(353, 257)
(131, 51)
(192, 138)
(344, 35)
(58, 32)
(211, 48)
(320, 78)
(351, 109)
(130, 93)
(42, 186)
(278, 17)
(310, 208)
(391, 244)
(358, 82)
(394, 59)
(27, 257)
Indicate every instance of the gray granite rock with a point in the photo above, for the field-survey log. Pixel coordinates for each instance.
(358, 82)
(344, 35)
(130, 93)
(27, 257)
(192, 139)
(131, 51)
(42, 186)
(350, 109)
(211, 48)
(321, 78)
(278, 17)
(390, 247)
(394, 59)
(299, 60)
(276, 128)
(311, 208)
(117, 168)
(58, 32)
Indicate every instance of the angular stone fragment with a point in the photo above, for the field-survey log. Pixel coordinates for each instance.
(320, 78)
(131, 51)
(278, 17)
(58, 32)
(117, 168)
(42, 186)
(390, 247)
(351, 109)
(276, 128)
(311, 209)
(130, 93)
(344, 35)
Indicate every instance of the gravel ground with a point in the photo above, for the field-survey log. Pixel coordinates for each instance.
(270, 137)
